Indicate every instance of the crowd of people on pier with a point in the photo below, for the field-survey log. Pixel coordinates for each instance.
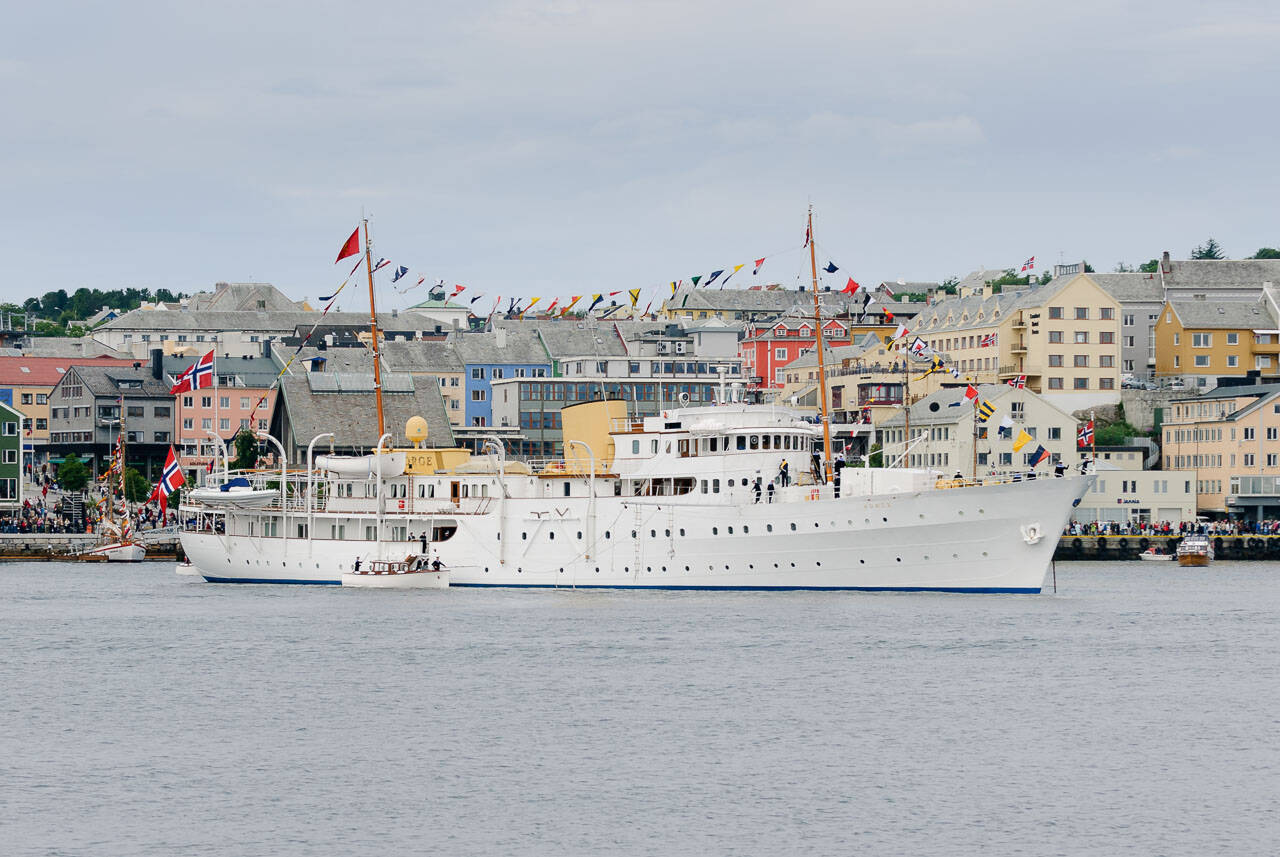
(52, 512)
(1167, 528)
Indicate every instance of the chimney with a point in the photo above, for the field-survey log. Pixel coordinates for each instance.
(157, 363)
(500, 338)
(1164, 263)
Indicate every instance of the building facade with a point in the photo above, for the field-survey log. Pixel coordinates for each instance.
(1197, 342)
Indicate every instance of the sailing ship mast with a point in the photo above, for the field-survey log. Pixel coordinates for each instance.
(822, 368)
(373, 326)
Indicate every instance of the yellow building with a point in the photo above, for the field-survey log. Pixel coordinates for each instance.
(1230, 437)
(1063, 336)
(1199, 341)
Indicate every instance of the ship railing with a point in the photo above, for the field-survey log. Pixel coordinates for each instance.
(564, 467)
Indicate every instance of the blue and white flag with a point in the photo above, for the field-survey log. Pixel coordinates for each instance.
(400, 272)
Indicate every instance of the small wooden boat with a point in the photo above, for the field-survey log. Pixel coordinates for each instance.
(122, 551)
(412, 572)
(1195, 550)
(1154, 554)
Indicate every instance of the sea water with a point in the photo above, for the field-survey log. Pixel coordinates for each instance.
(1134, 712)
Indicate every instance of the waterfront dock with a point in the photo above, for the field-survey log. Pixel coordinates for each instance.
(37, 547)
(1241, 547)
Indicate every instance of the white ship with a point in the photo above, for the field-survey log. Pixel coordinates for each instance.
(694, 498)
(665, 502)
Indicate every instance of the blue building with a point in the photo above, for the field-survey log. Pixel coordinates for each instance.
(496, 356)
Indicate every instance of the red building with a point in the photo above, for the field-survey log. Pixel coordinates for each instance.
(769, 346)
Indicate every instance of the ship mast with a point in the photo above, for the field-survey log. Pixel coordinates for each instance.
(822, 367)
(373, 326)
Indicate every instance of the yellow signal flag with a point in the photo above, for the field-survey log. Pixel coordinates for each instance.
(1022, 440)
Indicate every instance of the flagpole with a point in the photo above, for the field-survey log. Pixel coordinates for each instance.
(822, 367)
(373, 326)
(217, 426)
(1093, 440)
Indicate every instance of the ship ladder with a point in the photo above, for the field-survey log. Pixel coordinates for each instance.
(638, 525)
(671, 532)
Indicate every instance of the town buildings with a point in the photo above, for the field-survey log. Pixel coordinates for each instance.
(1198, 341)
(89, 403)
(1230, 437)
(11, 464)
(1128, 490)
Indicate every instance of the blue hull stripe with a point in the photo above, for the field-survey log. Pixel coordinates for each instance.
(957, 589)
(984, 590)
(269, 580)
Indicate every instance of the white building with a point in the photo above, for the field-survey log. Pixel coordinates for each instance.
(1126, 491)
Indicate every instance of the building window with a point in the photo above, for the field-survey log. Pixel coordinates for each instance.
(1201, 340)
(1082, 313)
(26, 398)
(1233, 339)
(224, 423)
(1055, 360)
(187, 424)
(1082, 337)
(1080, 384)
(1233, 361)
(1202, 361)
(1055, 383)
(477, 395)
(1248, 432)
(1055, 337)
(1107, 337)
(1106, 383)
(206, 401)
(498, 375)
(1107, 313)
(1177, 339)
(206, 423)
(478, 373)
(1177, 362)
(1248, 459)
(780, 354)
(1271, 459)
(1055, 312)
(1055, 433)
(1107, 361)
(1080, 360)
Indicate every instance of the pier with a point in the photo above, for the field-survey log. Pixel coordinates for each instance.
(1241, 547)
(37, 547)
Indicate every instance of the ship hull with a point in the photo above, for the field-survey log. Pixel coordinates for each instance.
(989, 539)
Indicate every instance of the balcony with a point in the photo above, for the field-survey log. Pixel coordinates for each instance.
(1018, 347)
(1019, 323)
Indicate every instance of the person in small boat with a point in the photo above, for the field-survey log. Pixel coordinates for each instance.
(436, 564)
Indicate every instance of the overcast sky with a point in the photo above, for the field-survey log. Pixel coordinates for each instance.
(550, 148)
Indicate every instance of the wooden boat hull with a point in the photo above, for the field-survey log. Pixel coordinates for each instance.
(1193, 559)
(424, 579)
(120, 552)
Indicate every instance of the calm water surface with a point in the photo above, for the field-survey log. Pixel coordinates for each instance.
(1135, 712)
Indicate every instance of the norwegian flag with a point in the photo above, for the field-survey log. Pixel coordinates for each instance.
(1020, 382)
(182, 384)
(1085, 437)
(171, 479)
(887, 291)
(202, 372)
(987, 341)
(1029, 265)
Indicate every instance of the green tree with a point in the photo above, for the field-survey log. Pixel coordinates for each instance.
(136, 487)
(246, 450)
(73, 475)
(1208, 250)
(950, 283)
(877, 456)
(1149, 267)
(1266, 253)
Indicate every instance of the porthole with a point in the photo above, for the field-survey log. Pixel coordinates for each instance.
(981, 512)
(715, 531)
(653, 534)
(597, 571)
(899, 559)
(793, 565)
(984, 553)
(579, 534)
(682, 531)
(649, 568)
(745, 529)
(551, 536)
(768, 528)
(633, 534)
(686, 568)
(731, 531)
(726, 568)
(793, 527)
(562, 571)
(749, 565)
(524, 536)
(815, 525)
(668, 533)
(862, 562)
(486, 569)
(664, 568)
(962, 511)
(606, 534)
(820, 564)
(886, 520)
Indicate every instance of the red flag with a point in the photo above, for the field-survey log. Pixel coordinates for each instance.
(851, 288)
(183, 384)
(351, 248)
(759, 262)
(971, 393)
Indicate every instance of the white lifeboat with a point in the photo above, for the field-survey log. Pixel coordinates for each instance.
(364, 466)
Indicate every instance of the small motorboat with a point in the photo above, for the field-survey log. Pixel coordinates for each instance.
(1195, 550)
(187, 568)
(1155, 554)
(412, 572)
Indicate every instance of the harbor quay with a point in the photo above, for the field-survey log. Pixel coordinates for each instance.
(1243, 546)
(28, 547)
